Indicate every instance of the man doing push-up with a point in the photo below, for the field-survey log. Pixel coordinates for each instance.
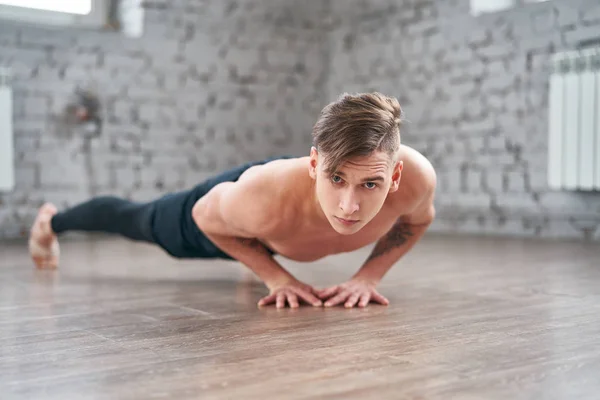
(359, 185)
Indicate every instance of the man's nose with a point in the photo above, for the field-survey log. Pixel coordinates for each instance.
(349, 202)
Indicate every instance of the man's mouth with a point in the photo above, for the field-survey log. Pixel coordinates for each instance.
(347, 221)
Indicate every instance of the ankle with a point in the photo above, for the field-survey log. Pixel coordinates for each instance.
(48, 227)
(45, 225)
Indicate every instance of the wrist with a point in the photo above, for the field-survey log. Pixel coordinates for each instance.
(279, 280)
(366, 277)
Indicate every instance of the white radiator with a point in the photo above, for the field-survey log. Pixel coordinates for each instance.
(574, 121)
(7, 162)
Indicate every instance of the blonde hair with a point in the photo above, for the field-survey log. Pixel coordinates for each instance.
(357, 125)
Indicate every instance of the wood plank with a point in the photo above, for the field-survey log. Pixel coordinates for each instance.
(469, 318)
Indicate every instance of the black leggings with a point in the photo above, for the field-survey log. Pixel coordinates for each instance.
(166, 221)
(108, 214)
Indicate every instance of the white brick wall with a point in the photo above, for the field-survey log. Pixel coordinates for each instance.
(202, 80)
(494, 71)
(155, 92)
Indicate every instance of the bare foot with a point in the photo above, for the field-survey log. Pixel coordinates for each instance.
(43, 243)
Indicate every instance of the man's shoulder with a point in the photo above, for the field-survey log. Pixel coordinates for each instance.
(275, 176)
(418, 180)
(418, 168)
(265, 192)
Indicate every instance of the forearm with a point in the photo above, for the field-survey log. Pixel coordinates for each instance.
(255, 256)
(389, 249)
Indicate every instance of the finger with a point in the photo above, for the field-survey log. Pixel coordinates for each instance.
(308, 297)
(364, 299)
(292, 300)
(280, 300)
(352, 300)
(337, 299)
(379, 298)
(328, 292)
(267, 300)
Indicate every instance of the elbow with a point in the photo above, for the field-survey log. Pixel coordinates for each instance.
(199, 214)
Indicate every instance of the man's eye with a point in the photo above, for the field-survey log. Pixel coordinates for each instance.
(336, 179)
(370, 185)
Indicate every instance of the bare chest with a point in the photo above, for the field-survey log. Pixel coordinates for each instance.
(309, 244)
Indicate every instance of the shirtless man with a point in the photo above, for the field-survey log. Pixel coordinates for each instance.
(345, 195)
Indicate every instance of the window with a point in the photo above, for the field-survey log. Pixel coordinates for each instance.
(82, 7)
(72, 13)
(126, 16)
(489, 6)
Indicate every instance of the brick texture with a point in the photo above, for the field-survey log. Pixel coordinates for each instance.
(213, 84)
(209, 85)
(475, 92)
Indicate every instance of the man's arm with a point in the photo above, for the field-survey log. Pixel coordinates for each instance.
(233, 215)
(405, 233)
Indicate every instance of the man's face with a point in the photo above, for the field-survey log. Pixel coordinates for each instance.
(353, 195)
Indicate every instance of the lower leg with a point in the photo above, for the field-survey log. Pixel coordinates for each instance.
(100, 214)
(107, 214)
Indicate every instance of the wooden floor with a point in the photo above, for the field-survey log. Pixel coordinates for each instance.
(469, 318)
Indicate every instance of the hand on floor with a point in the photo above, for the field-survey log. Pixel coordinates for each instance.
(354, 292)
(292, 292)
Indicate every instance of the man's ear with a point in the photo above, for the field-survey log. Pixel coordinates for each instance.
(396, 175)
(312, 166)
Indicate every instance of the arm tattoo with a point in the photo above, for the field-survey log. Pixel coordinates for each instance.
(395, 237)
